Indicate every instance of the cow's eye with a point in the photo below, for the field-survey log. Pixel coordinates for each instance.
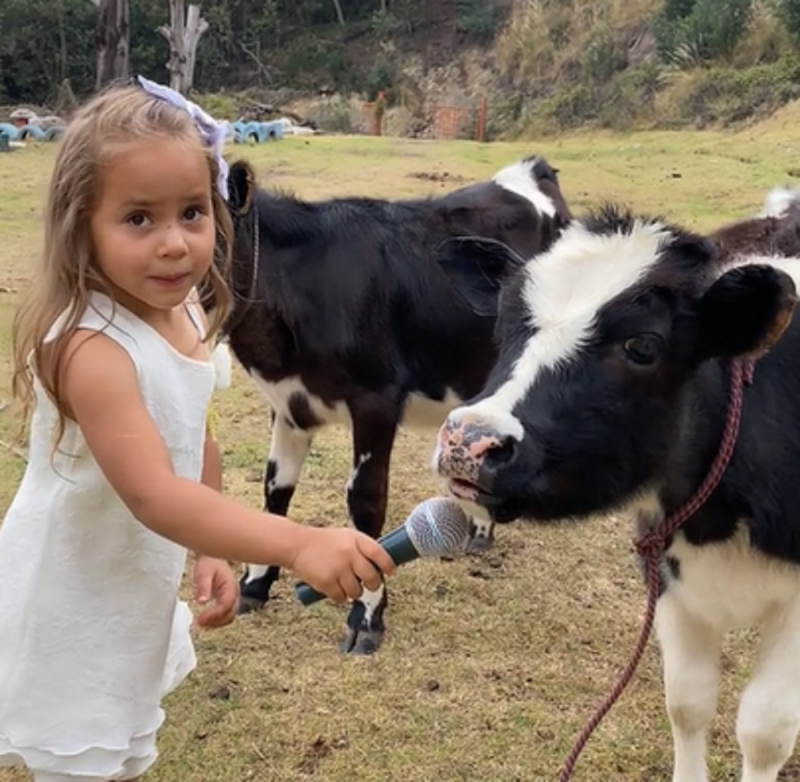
(643, 349)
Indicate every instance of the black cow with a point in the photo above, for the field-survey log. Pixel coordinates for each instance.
(610, 395)
(343, 315)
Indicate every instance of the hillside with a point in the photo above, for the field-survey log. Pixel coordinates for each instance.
(543, 65)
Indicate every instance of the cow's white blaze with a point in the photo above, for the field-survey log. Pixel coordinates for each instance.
(563, 291)
(518, 178)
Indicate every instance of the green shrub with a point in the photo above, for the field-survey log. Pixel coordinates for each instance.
(693, 31)
(789, 13)
(380, 79)
(602, 58)
(726, 96)
(309, 61)
(478, 18)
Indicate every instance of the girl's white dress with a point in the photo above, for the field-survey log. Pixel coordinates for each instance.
(92, 635)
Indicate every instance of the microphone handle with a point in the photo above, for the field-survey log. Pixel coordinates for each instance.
(397, 544)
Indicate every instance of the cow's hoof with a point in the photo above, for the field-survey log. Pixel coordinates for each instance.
(480, 545)
(249, 604)
(361, 641)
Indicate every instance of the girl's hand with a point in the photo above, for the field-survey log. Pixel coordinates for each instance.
(215, 583)
(340, 562)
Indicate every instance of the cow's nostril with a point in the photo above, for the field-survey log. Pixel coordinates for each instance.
(500, 452)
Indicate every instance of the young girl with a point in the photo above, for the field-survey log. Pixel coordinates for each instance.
(113, 351)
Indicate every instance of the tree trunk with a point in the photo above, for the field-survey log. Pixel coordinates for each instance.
(339, 13)
(182, 36)
(112, 41)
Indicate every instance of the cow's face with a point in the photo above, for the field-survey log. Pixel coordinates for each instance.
(600, 339)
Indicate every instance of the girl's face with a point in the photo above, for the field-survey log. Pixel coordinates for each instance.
(153, 229)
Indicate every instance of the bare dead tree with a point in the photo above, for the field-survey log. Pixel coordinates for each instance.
(339, 13)
(183, 34)
(112, 41)
(263, 71)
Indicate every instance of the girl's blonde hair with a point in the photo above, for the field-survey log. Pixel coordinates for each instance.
(111, 120)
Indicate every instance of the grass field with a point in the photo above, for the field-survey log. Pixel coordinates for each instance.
(490, 666)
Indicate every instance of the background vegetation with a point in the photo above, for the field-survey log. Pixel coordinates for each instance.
(545, 65)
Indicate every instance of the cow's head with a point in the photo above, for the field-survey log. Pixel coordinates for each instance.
(601, 339)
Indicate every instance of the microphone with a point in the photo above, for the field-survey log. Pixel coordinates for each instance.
(436, 527)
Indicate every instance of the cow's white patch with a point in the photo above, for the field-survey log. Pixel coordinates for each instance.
(564, 289)
(778, 201)
(278, 395)
(288, 449)
(372, 601)
(419, 411)
(518, 178)
(732, 585)
(254, 572)
(721, 587)
(362, 460)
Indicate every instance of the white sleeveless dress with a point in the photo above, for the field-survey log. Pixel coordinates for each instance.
(92, 635)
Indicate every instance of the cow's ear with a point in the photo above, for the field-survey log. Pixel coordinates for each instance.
(476, 268)
(241, 187)
(745, 312)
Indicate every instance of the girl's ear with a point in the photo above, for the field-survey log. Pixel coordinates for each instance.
(241, 188)
(745, 312)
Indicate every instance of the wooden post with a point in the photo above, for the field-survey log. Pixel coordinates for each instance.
(480, 130)
(379, 112)
(182, 37)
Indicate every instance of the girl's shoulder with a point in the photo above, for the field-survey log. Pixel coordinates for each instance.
(101, 313)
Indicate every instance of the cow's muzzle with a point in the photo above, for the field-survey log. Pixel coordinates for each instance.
(470, 452)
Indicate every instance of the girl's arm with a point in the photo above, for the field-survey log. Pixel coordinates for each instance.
(101, 392)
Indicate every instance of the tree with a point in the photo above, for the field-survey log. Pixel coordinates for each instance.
(112, 41)
(182, 36)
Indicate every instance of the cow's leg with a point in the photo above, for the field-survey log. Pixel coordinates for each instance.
(690, 651)
(481, 535)
(375, 423)
(287, 452)
(769, 711)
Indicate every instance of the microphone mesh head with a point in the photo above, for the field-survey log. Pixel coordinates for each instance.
(438, 526)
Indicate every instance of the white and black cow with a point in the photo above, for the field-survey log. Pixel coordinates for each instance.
(610, 395)
(343, 315)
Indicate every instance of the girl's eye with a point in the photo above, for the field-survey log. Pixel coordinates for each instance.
(643, 349)
(137, 220)
(193, 214)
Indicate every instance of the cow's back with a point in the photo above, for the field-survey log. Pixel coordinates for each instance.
(365, 302)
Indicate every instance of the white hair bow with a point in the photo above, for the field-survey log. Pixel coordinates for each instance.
(212, 132)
